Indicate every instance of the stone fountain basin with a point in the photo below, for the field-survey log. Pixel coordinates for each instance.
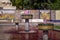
(27, 32)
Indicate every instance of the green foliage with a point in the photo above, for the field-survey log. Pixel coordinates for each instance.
(42, 24)
(36, 4)
(57, 27)
(17, 3)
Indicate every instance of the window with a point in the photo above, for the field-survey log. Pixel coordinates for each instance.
(45, 14)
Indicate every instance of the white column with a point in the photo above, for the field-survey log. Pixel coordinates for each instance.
(26, 26)
(45, 37)
(16, 27)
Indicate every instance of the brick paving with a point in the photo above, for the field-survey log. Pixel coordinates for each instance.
(52, 34)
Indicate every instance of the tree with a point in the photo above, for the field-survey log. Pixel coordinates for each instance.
(17, 3)
(36, 4)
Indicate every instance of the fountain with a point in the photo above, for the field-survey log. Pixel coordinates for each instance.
(45, 27)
